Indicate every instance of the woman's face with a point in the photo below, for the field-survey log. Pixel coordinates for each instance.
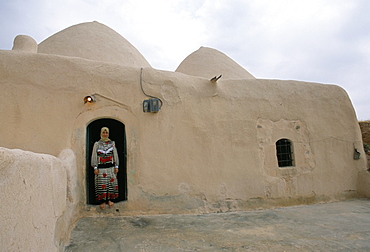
(105, 134)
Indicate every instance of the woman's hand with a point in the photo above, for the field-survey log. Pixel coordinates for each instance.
(96, 171)
(115, 170)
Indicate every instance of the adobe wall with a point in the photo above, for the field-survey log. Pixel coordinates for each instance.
(34, 214)
(210, 148)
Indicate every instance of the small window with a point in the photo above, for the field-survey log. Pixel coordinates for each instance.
(284, 153)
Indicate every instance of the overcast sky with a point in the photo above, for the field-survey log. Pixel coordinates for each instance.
(325, 41)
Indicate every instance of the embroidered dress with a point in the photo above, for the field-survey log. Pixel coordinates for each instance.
(105, 158)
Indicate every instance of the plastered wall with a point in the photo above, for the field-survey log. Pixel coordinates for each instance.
(210, 143)
(33, 201)
(211, 147)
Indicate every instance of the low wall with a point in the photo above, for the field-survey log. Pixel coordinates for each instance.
(363, 186)
(33, 198)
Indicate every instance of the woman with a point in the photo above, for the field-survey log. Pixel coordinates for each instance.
(105, 162)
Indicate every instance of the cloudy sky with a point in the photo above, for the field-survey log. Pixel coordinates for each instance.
(326, 41)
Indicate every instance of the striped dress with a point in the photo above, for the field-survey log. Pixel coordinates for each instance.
(105, 158)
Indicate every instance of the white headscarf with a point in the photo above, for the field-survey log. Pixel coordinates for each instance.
(101, 133)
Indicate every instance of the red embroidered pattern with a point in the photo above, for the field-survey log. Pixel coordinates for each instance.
(104, 160)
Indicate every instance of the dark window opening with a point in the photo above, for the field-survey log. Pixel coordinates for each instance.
(284, 153)
(116, 133)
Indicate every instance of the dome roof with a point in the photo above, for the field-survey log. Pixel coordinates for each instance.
(207, 62)
(24, 43)
(93, 41)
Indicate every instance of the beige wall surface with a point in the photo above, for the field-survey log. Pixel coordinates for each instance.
(33, 199)
(210, 143)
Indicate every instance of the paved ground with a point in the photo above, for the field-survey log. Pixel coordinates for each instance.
(340, 226)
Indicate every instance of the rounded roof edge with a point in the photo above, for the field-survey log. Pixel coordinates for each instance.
(95, 41)
(24, 43)
(208, 62)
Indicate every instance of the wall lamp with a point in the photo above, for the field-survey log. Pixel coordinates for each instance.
(214, 79)
(89, 99)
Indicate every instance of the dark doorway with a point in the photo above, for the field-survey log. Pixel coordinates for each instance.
(117, 133)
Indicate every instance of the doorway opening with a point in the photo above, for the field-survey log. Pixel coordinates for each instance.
(117, 133)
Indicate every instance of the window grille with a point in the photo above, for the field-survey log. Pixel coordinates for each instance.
(284, 153)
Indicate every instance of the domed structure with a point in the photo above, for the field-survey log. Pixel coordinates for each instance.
(24, 43)
(93, 41)
(238, 145)
(207, 62)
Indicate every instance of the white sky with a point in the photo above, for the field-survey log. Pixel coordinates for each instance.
(325, 41)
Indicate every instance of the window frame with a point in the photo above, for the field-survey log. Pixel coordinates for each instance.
(284, 153)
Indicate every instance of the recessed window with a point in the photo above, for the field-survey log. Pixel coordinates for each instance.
(284, 152)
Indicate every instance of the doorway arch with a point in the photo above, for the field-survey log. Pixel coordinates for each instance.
(117, 133)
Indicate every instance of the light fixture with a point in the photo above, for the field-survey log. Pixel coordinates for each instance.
(89, 99)
(214, 79)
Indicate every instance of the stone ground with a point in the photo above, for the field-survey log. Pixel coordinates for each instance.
(339, 226)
